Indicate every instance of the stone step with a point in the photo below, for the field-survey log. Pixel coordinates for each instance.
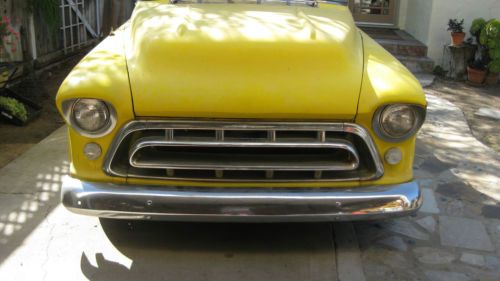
(409, 48)
(417, 64)
(411, 52)
(398, 42)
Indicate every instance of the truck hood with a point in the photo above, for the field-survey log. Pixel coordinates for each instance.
(244, 61)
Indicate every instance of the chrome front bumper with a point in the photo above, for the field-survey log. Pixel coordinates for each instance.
(239, 205)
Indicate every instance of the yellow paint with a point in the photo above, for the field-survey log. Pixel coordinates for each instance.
(387, 81)
(241, 61)
(102, 74)
(244, 61)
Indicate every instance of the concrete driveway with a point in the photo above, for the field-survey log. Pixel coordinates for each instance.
(456, 236)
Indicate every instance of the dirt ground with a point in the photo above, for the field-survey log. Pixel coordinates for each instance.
(470, 99)
(15, 140)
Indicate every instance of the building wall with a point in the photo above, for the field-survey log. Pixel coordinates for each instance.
(427, 20)
(415, 18)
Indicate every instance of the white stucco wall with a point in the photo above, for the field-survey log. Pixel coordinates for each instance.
(417, 18)
(427, 20)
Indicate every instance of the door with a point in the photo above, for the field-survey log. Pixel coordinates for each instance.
(374, 12)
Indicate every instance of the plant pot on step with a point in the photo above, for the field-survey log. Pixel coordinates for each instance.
(492, 79)
(476, 76)
(457, 38)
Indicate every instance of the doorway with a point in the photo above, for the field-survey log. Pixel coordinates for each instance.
(374, 12)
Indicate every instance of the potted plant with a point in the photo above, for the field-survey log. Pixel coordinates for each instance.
(477, 69)
(490, 37)
(13, 110)
(457, 31)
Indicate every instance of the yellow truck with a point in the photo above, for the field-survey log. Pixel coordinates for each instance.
(241, 111)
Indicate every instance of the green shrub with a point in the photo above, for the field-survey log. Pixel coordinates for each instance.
(490, 37)
(477, 25)
(481, 59)
(494, 66)
(15, 108)
(487, 34)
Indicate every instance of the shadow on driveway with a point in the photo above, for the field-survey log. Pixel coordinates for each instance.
(192, 251)
(29, 191)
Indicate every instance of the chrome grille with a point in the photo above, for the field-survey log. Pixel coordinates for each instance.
(243, 151)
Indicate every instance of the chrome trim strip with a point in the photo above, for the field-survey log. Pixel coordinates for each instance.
(239, 205)
(161, 142)
(138, 125)
(363, 133)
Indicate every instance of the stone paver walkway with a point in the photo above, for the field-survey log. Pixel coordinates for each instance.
(456, 235)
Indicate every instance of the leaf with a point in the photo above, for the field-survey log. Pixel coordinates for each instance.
(492, 29)
(495, 53)
(477, 25)
(483, 37)
(15, 108)
(494, 66)
(491, 44)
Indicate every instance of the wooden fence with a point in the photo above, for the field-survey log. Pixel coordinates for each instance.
(84, 20)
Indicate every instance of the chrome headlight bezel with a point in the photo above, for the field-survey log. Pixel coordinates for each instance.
(419, 113)
(68, 106)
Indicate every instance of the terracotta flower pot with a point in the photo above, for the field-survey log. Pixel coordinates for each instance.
(457, 38)
(492, 79)
(476, 76)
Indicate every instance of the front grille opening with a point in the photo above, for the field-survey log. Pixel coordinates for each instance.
(186, 134)
(192, 174)
(308, 159)
(199, 157)
(296, 175)
(148, 133)
(367, 161)
(311, 135)
(245, 135)
(235, 175)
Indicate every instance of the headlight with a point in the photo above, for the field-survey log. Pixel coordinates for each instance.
(398, 122)
(90, 117)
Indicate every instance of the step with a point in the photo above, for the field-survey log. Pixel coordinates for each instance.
(398, 42)
(417, 64)
(409, 48)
